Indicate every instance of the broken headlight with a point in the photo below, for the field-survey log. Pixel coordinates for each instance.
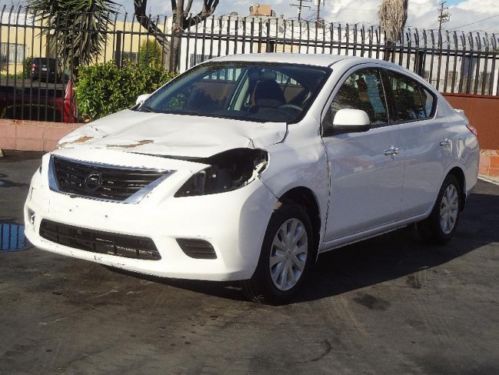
(228, 171)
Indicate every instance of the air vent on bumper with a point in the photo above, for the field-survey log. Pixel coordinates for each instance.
(195, 248)
(99, 242)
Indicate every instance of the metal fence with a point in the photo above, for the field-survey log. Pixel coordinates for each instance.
(33, 82)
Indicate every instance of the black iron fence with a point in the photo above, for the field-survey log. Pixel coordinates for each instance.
(33, 79)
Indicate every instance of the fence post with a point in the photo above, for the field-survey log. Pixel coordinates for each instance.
(117, 50)
(419, 63)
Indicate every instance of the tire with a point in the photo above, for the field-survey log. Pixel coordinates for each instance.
(273, 285)
(441, 225)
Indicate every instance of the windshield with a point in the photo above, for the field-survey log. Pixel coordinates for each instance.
(239, 90)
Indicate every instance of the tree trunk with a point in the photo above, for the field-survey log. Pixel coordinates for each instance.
(153, 29)
(177, 28)
(181, 21)
(388, 50)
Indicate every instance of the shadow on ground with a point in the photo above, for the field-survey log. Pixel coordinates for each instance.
(391, 256)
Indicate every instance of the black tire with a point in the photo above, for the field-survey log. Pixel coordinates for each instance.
(261, 288)
(430, 229)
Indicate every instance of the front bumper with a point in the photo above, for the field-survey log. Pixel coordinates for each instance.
(234, 223)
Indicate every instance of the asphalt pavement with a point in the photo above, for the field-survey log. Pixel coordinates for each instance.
(390, 305)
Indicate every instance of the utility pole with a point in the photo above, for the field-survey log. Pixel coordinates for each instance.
(300, 6)
(443, 15)
(318, 14)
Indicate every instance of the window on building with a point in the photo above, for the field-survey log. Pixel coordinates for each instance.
(129, 56)
(11, 53)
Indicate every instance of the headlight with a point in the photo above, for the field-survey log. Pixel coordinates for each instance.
(228, 171)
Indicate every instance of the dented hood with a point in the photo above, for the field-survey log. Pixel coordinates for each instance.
(174, 135)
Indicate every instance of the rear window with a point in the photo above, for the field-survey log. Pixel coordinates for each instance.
(411, 100)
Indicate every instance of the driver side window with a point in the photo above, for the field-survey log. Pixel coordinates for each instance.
(362, 90)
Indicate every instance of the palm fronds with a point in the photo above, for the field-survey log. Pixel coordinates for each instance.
(76, 28)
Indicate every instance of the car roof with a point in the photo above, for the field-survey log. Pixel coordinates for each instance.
(295, 58)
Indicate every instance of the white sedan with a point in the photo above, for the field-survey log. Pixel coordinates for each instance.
(249, 167)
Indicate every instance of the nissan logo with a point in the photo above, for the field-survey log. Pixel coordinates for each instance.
(93, 182)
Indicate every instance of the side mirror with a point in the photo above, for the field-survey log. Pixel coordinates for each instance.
(350, 121)
(142, 98)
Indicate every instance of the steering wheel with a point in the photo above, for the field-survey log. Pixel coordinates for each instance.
(290, 106)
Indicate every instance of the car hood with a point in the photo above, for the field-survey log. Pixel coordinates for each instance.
(173, 135)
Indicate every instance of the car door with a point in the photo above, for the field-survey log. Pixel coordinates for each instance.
(421, 139)
(366, 175)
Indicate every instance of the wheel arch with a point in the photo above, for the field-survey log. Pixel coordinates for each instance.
(460, 176)
(305, 197)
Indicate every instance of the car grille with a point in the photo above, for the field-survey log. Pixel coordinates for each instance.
(99, 242)
(101, 181)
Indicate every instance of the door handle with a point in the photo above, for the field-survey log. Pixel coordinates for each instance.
(445, 142)
(392, 151)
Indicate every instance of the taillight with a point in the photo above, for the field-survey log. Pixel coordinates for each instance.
(472, 129)
(33, 67)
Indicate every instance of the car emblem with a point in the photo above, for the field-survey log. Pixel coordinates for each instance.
(93, 182)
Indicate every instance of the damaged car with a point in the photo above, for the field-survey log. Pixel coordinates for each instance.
(247, 167)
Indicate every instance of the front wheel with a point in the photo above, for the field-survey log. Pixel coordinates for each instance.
(286, 256)
(441, 225)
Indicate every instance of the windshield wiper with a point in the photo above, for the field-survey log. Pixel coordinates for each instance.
(145, 108)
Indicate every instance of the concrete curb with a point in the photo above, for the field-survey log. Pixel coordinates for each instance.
(494, 181)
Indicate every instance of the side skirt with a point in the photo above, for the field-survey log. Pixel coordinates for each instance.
(349, 240)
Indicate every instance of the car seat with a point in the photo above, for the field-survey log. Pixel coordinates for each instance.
(267, 93)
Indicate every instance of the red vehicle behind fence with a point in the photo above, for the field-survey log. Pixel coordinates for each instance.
(41, 103)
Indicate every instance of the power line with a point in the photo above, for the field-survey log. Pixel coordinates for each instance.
(472, 23)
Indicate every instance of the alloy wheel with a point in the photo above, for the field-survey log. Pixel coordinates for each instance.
(449, 209)
(288, 255)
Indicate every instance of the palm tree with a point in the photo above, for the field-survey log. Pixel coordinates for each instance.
(392, 18)
(77, 28)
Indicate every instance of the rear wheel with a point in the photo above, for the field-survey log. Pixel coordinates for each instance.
(441, 225)
(286, 256)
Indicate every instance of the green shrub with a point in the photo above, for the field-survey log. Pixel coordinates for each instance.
(27, 62)
(103, 89)
(150, 53)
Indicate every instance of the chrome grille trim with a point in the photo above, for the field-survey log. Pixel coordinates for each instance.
(138, 190)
